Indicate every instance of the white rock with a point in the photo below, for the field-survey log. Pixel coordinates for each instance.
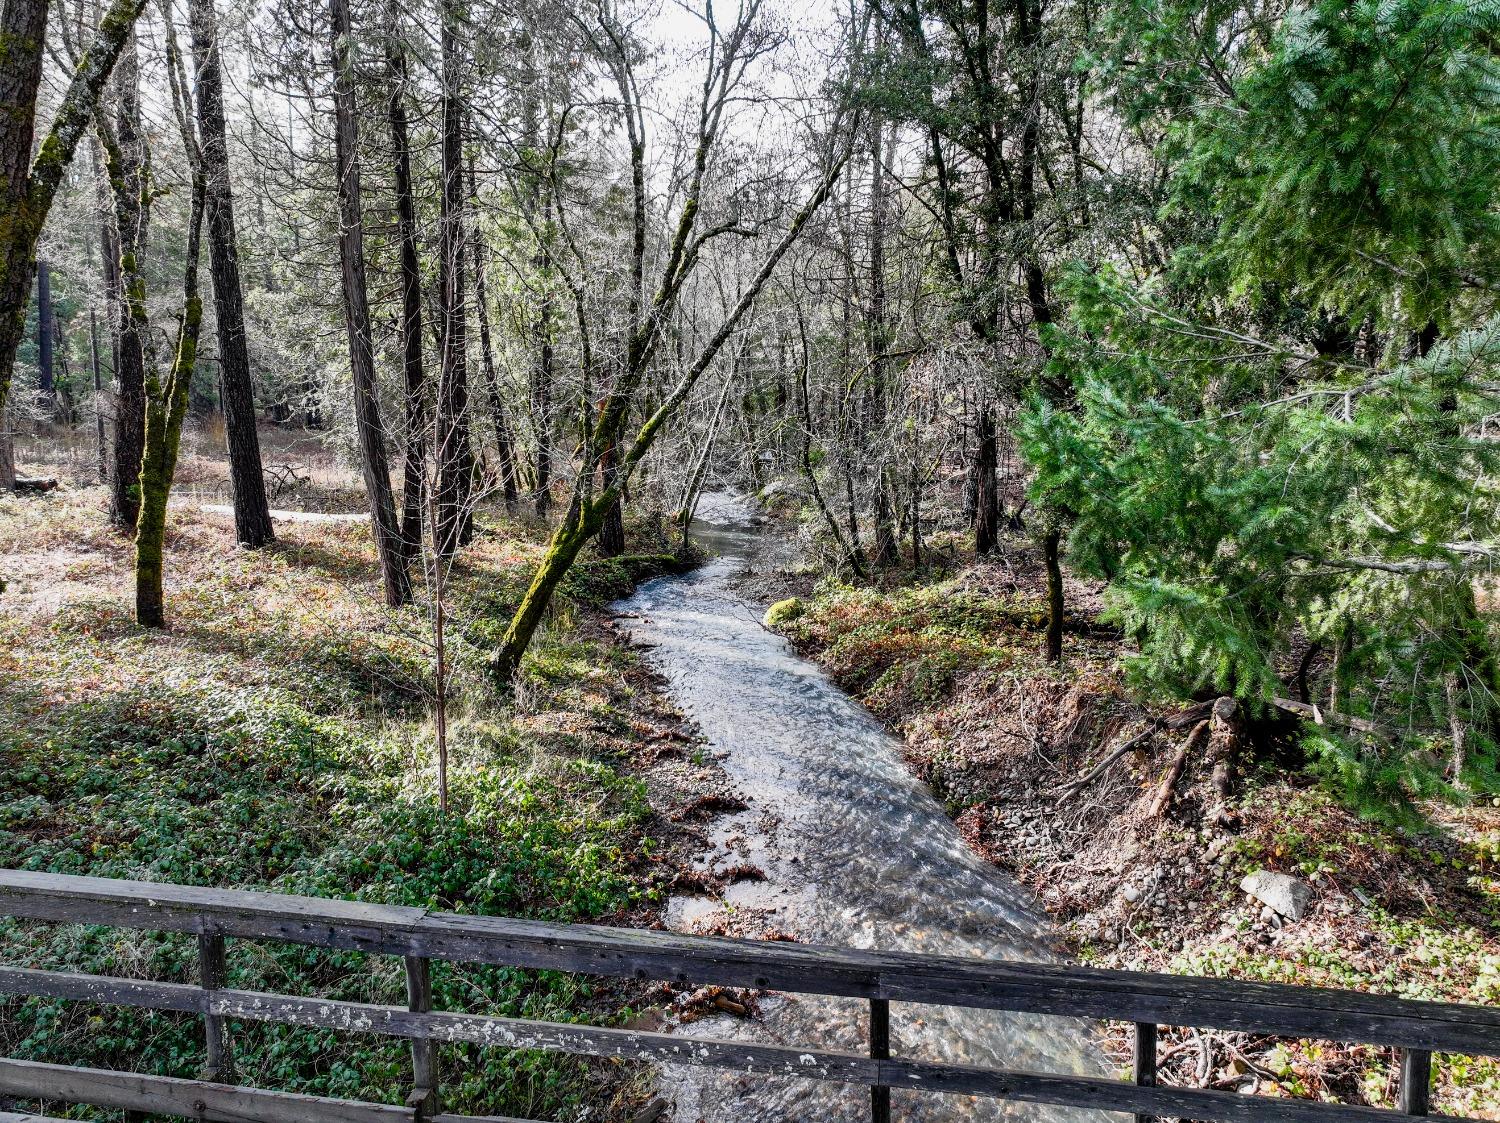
(1131, 893)
(1288, 896)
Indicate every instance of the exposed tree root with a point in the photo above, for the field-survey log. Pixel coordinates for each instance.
(1074, 786)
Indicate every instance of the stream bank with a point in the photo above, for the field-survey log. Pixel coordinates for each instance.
(951, 662)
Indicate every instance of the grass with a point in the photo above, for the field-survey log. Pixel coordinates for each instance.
(903, 649)
(278, 735)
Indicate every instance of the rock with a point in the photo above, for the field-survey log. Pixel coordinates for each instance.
(780, 487)
(1286, 895)
(784, 612)
(1131, 893)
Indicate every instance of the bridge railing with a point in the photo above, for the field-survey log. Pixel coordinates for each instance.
(418, 936)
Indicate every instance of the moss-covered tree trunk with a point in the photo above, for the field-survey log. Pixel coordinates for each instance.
(28, 186)
(129, 171)
(581, 524)
(166, 408)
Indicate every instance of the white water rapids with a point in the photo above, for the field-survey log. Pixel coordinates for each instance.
(855, 850)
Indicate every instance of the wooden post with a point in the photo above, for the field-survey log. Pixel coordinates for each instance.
(424, 1061)
(213, 975)
(1416, 1080)
(1145, 1062)
(880, 1050)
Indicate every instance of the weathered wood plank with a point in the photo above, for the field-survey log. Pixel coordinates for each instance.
(1143, 1067)
(1416, 1082)
(880, 1049)
(196, 1099)
(212, 974)
(903, 977)
(22, 1117)
(745, 1057)
(424, 1057)
(322, 922)
(1110, 1095)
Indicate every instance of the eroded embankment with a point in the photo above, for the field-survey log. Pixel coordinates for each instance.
(1144, 874)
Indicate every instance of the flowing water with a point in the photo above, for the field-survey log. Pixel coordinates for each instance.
(856, 852)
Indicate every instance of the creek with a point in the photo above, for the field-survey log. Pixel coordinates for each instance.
(856, 852)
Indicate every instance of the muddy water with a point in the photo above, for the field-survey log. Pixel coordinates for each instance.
(856, 852)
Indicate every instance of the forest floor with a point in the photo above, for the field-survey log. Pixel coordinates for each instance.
(952, 661)
(278, 734)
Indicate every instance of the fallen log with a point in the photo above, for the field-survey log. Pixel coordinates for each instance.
(1319, 716)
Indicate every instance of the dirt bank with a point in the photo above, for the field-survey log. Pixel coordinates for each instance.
(1139, 879)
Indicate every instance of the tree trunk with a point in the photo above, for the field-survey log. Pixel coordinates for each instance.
(505, 449)
(986, 473)
(1028, 32)
(23, 28)
(455, 460)
(878, 342)
(368, 425)
(132, 219)
(541, 411)
(612, 520)
(541, 384)
(414, 479)
(850, 555)
(44, 325)
(562, 551)
(166, 409)
(109, 252)
(1051, 551)
(62, 404)
(915, 500)
(247, 483)
(98, 395)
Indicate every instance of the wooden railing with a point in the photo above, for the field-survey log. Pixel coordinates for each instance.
(1417, 1029)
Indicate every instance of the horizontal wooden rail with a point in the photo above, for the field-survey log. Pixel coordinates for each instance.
(1268, 1008)
(667, 1048)
(194, 1099)
(1417, 1028)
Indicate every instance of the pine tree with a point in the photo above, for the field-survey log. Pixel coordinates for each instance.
(1277, 456)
